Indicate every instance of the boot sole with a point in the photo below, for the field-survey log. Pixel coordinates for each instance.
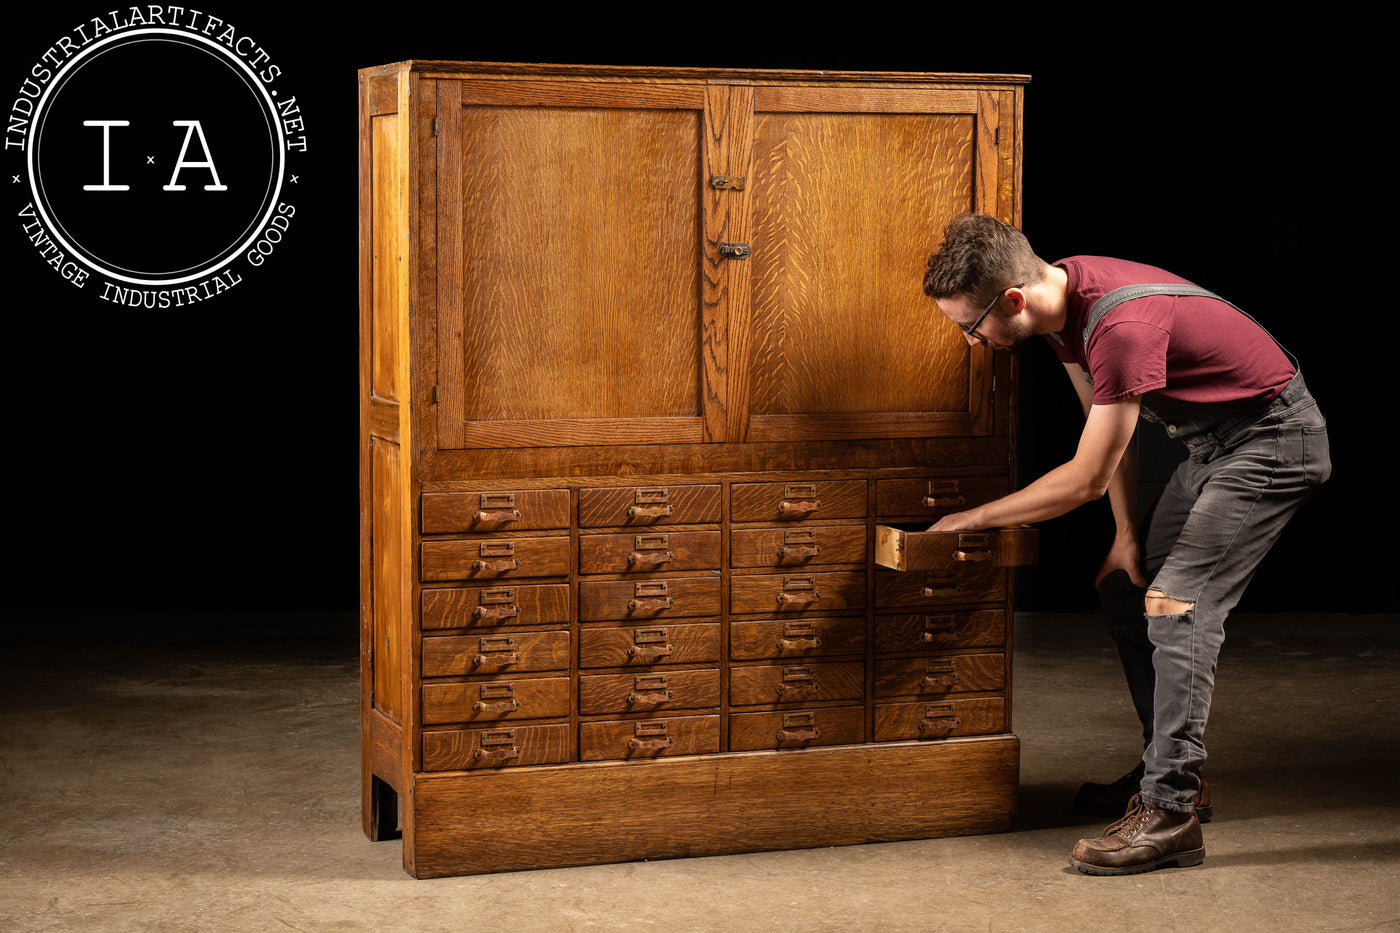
(1175, 860)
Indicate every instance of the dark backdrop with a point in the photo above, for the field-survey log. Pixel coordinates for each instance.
(205, 458)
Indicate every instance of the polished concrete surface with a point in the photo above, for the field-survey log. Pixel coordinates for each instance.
(157, 777)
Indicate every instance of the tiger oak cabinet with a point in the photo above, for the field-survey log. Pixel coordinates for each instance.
(644, 363)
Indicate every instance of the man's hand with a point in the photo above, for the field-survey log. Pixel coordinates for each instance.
(1122, 556)
(959, 521)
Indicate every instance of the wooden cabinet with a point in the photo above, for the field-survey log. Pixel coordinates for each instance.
(644, 365)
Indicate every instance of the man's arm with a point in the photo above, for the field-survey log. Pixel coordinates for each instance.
(1125, 553)
(1108, 432)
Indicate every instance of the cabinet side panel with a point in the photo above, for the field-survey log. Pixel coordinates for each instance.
(386, 194)
(844, 205)
(389, 618)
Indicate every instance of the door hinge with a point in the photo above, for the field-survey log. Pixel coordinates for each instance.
(997, 135)
(435, 395)
(435, 126)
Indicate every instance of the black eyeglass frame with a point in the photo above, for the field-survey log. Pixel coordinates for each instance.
(971, 330)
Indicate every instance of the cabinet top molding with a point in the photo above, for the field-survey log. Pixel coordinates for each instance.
(444, 69)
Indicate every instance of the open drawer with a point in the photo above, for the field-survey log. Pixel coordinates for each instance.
(908, 548)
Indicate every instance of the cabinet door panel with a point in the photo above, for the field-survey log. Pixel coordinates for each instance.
(571, 309)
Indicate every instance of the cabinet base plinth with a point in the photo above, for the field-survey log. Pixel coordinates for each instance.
(603, 812)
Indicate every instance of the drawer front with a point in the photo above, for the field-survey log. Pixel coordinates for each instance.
(457, 655)
(793, 547)
(649, 551)
(803, 501)
(807, 728)
(797, 592)
(446, 512)
(648, 599)
(649, 738)
(647, 505)
(916, 548)
(501, 747)
(796, 638)
(984, 628)
(644, 692)
(796, 683)
(956, 673)
(471, 607)
(896, 722)
(934, 498)
(495, 558)
(971, 583)
(634, 646)
(529, 698)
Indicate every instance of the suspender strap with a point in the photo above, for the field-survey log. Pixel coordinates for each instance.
(1128, 292)
(1124, 293)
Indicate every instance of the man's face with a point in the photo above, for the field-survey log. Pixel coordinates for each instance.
(994, 328)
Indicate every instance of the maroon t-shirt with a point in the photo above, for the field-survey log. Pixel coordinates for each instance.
(1186, 349)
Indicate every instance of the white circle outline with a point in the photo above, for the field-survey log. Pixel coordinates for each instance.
(276, 191)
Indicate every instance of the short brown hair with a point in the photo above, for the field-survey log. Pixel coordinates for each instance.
(979, 257)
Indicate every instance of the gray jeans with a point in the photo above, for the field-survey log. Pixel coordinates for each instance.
(1222, 510)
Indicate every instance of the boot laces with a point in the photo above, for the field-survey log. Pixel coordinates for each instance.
(1132, 821)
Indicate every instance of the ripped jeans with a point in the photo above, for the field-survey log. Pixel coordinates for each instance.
(1219, 514)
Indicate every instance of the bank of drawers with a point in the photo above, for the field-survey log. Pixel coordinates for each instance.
(658, 625)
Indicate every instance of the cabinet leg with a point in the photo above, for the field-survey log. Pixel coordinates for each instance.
(382, 815)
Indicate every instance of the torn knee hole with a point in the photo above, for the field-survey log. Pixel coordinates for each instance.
(1160, 604)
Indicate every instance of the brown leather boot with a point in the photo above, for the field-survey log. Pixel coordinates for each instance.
(1147, 837)
(1112, 799)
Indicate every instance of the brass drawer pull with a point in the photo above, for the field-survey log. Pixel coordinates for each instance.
(503, 660)
(939, 728)
(495, 613)
(798, 599)
(798, 680)
(802, 552)
(944, 502)
(797, 509)
(940, 583)
(503, 565)
(648, 511)
(973, 557)
(799, 735)
(799, 727)
(943, 681)
(498, 755)
(649, 745)
(799, 644)
(802, 688)
(504, 706)
(498, 517)
(497, 507)
(648, 652)
(654, 559)
(799, 636)
(652, 698)
(652, 604)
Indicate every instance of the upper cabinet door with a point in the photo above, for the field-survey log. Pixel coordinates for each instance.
(851, 188)
(569, 263)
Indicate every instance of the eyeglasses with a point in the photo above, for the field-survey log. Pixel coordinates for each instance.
(971, 331)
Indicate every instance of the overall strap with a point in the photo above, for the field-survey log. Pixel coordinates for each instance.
(1124, 293)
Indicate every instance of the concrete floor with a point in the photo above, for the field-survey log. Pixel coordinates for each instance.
(156, 778)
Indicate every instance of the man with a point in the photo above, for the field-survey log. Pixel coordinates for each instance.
(1256, 448)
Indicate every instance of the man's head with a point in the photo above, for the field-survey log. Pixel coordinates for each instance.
(980, 261)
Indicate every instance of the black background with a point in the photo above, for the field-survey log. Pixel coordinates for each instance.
(205, 458)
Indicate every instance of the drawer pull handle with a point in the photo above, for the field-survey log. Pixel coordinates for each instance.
(648, 653)
(797, 509)
(798, 644)
(941, 681)
(649, 745)
(498, 517)
(650, 604)
(504, 706)
(939, 728)
(798, 735)
(799, 599)
(495, 613)
(788, 552)
(656, 559)
(652, 698)
(943, 502)
(497, 755)
(803, 687)
(648, 512)
(496, 566)
(972, 556)
(484, 660)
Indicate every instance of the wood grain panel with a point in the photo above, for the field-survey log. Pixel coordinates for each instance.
(500, 747)
(390, 618)
(590, 814)
(841, 725)
(390, 276)
(844, 208)
(580, 269)
(509, 604)
(954, 673)
(978, 629)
